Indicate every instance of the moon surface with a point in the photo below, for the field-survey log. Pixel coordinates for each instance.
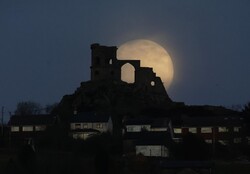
(150, 54)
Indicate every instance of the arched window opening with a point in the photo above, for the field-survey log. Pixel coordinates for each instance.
(152, 83)
(110, 61)
(128, 73)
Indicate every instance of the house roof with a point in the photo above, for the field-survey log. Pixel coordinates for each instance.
(204, 111)
(44, 119)
(210, 121)
(89, 117)
(85, 131)
(138, 121)
(154, 122)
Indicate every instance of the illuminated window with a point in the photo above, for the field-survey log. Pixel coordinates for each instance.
(223, 142)
(192, 130)
(14, 128)
(152, 83)
(85, 126)
(209, 141)
(206, 130)
(248, 140)
(78, 136)
(99, 125)
(130, 129)
(110, 61)
(27, 128)
(223, 129)
(237, 129)
(40, 128)
(177, 130)
(145, 128)
(77, 126)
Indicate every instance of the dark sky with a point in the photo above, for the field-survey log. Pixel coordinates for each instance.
(45, 45)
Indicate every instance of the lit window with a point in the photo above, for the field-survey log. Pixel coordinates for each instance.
(152, 83)
(99, 125)
(40, 128)
(206, 130)
(223, 142)
(248, 140)
(177, 140)
(27, 128)
(145, 128)
(77, 126)
(237, 129)
(177, 130)
(129, 129)
(75, 136)
(209, 141)
(85, 126)
(223, 129)
(192, 130)
(78, 136)
(237, 140)
(14, 128)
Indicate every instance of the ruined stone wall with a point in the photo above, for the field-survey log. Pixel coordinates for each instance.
(102, 63)
(106, 67)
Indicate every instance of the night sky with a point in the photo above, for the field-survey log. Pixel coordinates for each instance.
(45, 46)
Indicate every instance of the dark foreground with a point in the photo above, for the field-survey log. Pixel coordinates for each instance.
(58, 162)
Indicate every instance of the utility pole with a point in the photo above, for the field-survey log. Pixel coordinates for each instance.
(2, 120)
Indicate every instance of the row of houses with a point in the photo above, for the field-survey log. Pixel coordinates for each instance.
(223, 129)
(148, 136)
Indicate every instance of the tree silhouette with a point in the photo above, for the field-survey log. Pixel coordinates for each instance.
(246, 112)
(28, 108)
(246, 109)
(50, 108)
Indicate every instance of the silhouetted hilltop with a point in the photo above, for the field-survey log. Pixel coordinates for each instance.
(106, 92)
(115, 98)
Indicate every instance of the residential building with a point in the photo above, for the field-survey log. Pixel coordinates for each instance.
(26, 127)
(86, 124)
(223, 129)
(146, 124)
(148, 136)
(148, 143)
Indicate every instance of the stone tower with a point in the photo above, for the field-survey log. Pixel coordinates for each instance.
(103, 60)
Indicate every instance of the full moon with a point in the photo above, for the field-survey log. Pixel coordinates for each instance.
(150, 54)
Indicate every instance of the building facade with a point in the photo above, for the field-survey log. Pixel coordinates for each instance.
(87, 124)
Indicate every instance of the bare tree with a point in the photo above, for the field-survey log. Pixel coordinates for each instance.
(28, 108)
(49, 108)
(247, 108)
